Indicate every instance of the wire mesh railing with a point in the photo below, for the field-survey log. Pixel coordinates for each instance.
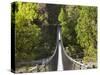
(68, 62)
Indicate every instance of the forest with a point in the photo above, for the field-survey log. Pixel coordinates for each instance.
(36, 30)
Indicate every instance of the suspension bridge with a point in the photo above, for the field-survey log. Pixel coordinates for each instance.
(59, 61)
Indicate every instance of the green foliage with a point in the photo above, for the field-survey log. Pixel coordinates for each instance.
(36, 30)
(27, 39)
(79, 31)
(87, 32)
(62, 16)
(34, 38)
(27, 33)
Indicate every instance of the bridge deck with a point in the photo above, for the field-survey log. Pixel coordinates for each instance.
(60, 63)
(60, 60)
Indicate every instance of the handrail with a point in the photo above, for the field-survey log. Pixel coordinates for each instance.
(70, 58)
(51, 57)
(43, 61)
(74, 60)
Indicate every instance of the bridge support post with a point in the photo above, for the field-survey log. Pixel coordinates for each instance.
(38, 70)
(45, 67)
(73, 66)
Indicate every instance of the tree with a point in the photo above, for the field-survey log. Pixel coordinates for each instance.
(86, 30)
(28, 34)
(35, 37)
